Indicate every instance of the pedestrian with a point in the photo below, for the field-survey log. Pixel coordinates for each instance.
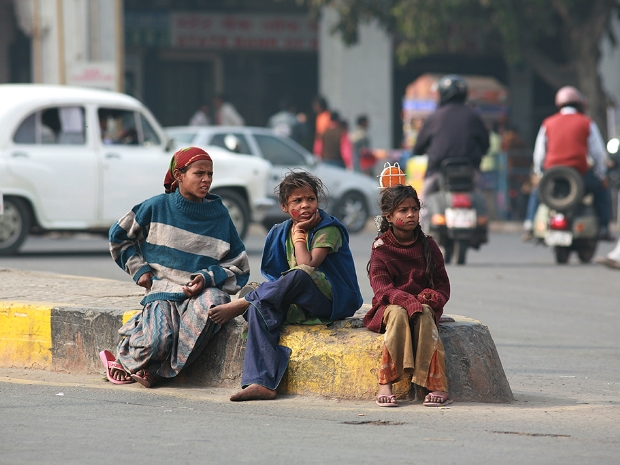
(225, 112)
(323, 118)
(307, 262)
(332, 142)
(411, 287)
(201, 117)
(362, 154)
(284, 121)
(183, 248)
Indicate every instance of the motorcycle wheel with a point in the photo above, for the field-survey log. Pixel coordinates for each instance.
(460, 251)
(587, 251)
(562, 255)
(448, 251)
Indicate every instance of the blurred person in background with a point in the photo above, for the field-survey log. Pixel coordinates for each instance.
(201, 117)
(454, 130)
(570, 138)
(361, 144)
(284, 120)
(322, 121)
(225, 112)
(331, 142)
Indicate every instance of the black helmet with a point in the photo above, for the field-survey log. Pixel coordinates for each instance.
(452, 88)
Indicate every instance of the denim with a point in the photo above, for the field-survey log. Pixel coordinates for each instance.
(265, 360)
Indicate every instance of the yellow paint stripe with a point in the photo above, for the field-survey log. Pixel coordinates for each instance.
(25, 335)
(128, 315)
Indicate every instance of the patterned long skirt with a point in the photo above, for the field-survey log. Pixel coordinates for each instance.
(167, 336)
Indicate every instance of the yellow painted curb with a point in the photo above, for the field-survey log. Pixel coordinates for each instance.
(342, 363)
(25, 335)
(128, 315)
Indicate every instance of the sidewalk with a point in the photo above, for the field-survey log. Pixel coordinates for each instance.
(61, 323)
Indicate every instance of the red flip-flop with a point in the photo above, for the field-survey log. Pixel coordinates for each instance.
(109, 361)
(146, 378)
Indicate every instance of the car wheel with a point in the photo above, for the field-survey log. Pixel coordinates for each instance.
(561, 188)
(237, 208)
(352, 211)
(15, 225)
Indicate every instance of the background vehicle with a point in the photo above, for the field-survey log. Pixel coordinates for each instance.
(565, 218)
(458, 216)
(75, 159)
(353, 197)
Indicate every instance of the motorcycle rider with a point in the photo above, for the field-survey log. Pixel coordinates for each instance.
(570, 138)
(453, 130)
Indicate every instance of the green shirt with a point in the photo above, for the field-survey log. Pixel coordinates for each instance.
(329, 238)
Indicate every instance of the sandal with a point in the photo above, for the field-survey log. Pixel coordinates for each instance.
(386, 401)
(144, 377)
(443, 400)
(110, 363)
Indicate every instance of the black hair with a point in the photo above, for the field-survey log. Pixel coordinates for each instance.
(298, 179)
(391, 198)
(361, 120)
(321, 102)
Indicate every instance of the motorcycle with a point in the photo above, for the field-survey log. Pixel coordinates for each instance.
(457, 212)
(565, 218)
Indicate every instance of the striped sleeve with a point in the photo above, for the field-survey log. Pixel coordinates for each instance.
(125, 238)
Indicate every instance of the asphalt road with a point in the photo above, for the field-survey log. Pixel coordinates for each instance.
(555, 327)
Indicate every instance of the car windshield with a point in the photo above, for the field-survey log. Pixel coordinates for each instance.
(278, 152)
(183, 137)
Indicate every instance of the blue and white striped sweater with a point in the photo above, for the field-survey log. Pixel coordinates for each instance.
(176, 239)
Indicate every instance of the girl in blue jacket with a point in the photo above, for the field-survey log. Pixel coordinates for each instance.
(311, 275)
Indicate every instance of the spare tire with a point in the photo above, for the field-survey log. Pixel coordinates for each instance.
(561, 188)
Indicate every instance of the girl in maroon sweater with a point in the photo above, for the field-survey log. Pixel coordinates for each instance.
(411, 286)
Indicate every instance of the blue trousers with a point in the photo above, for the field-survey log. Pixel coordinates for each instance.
(265, 360)
(592, 183)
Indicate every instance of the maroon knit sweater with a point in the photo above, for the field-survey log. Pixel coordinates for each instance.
(397, 278)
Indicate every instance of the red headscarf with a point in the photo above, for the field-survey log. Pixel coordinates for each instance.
(181, 159)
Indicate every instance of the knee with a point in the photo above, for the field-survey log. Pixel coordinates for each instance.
(395, 315)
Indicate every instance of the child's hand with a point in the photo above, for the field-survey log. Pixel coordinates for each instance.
(310, 223)
(146, 281)
(194, 287)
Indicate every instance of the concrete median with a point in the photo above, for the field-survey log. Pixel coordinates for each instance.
(45, 323)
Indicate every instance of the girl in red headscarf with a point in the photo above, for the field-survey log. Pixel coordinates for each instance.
(183, 248)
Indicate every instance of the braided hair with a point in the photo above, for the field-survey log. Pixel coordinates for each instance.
(391, 198)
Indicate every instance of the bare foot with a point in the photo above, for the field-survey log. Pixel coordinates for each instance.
(119, 374)
(385, 398)
(254, 392)
(226, 312)
(437, 399)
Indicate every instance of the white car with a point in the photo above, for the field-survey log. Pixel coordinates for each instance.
(75, 159)
(353, 197)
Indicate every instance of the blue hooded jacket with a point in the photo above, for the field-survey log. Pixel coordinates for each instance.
(338, 267)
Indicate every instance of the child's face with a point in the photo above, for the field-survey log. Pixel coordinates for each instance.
(406, 216)
(302, 203)
(195, 183)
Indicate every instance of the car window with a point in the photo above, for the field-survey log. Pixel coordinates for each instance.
(118, 127)
(278, 152)
(183, 137)
(149, 134)
(55, 125)
(233, 142)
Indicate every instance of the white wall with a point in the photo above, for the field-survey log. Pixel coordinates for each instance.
(358, 79)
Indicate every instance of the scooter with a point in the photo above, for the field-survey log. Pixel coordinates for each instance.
(457, 212)
(565, 218)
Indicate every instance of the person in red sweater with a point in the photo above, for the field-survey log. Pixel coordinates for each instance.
(570, 138)
(411, 287)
